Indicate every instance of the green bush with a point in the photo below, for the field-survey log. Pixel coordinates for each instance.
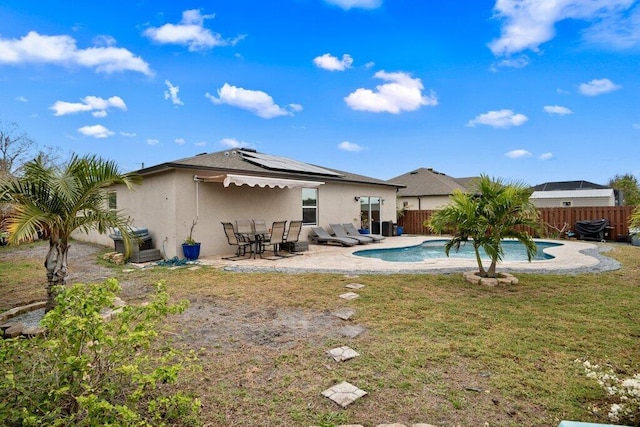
(87, 371)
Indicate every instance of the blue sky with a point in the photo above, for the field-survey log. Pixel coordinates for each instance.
(530, 90)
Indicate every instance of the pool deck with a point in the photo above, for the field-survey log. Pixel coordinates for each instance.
(571, 257)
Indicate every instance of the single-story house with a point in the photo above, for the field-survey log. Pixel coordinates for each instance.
(427, 189)
(566, 194)
(241, 184)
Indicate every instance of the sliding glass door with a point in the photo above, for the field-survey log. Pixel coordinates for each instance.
(370, 213)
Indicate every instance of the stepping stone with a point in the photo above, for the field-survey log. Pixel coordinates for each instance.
(194, 268)
(128, 270)
(341, 354)
(349, 296)
(351, 331)
(344, 313)
(355, 286)
(351, 276)
(344, 394)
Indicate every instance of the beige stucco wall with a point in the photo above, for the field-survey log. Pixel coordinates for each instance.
(575, 202)
(166, 204)
(423, 203)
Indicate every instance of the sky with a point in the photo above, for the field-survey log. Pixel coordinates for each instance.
(524, 90)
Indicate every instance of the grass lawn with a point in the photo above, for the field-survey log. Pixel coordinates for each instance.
(437, 350)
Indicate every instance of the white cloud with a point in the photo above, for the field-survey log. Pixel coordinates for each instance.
(296, 108)
(96, 131)
(62, 50)
(179, 141)
(598, 87)
(616, 30)
(200, 143)
(529, 23)
(557, 109)
(362, 4)
(89, 103)
(545, 156)
(331, 63)
(518, 154)
(189, 32)
(401, 93)
(128, 134)
(21, 99)
(152, 141)
(369, 64)
(234, 143)
(519, 62)
(172, 93)
(636, 126)
(499, 119)
(349, 146)
(256, 101)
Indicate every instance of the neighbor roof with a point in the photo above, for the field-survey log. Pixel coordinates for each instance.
(568, 185)
(250, 162)
(427, 182)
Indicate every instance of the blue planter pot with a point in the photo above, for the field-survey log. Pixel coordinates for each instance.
(191, 252)
(363, 230)
(399, 230)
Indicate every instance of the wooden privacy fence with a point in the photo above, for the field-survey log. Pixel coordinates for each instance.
(556, 221)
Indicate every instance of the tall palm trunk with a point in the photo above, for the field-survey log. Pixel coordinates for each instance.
(491, 272)
(56, 265)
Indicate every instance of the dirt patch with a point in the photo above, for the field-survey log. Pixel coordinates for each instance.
(220, 324)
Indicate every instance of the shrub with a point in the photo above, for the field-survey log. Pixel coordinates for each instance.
(624, 392)
(87, 371)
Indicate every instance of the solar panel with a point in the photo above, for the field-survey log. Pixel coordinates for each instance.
(284, 164)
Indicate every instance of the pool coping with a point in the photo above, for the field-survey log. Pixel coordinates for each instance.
(572, 257)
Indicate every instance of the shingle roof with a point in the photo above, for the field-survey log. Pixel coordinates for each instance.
(233, 161)
(426, 182)
(568, 185)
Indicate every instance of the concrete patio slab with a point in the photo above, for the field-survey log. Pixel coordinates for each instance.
(570, 258)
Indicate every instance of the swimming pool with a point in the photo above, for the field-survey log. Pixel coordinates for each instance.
(431, 249)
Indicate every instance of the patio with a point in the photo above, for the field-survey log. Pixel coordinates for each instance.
(572, 257)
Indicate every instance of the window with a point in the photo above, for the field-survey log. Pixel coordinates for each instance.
(310, 206)
(566, 204)
(112, 200)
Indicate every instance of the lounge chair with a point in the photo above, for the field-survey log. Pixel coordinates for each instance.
(339, 231)
(236, 239)
(353, 231)
(320, 235)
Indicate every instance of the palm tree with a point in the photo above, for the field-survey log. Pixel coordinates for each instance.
(496, 210)
(61, 200)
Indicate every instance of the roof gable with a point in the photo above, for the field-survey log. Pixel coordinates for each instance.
(427, 182)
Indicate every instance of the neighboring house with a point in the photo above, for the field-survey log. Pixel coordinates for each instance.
(427, 189)
(244, 184)
(572, 194)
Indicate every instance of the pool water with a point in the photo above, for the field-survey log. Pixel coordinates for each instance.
(432, 249)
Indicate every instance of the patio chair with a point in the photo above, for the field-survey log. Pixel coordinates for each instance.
(353, 231)
(260, 232)
(292, 236)
(320, 235)
(236, 239)
(276, 238)
(339, 231)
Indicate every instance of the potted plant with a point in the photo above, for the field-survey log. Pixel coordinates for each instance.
(364, 225)
(191, 248)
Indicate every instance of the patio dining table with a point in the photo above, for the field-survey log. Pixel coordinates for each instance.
(255, 235)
